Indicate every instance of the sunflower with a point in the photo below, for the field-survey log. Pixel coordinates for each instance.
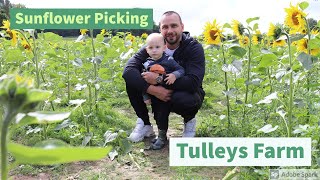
(212, 33)
(302, 46)
(83, 31)
(103, 32)
(24, 81)
(274, 31)
(130, 37)
(12, 33)
(238, 28)
(25, 44)
(6, 25)
(280, 42)
(244, 41)
(295, 19)
(144, 35)
(257, 37)
(315, 31)
(14, 37)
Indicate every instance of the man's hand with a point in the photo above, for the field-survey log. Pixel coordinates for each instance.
(150, 77)
(160, 92)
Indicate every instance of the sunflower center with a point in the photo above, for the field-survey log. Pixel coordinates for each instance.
(305, 44)
(295, 18)
(213, 33)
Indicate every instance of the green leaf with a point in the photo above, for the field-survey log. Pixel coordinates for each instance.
(125, 145)
(41, 117)
(64, 124)
(268, 99)
(314, 43)
(255, 26)
(51, 143)
(311, 85)
(296, 37)
(77, 62)
(227, 25)
(54, 154)
(99, 38)
(303, 5)
(249, 20)
(104, 73)
(266, 51)
(13, 55)
(87, 138)
(268, 128)
(237, 51)
(37, 95)
(51, 53)
(268, 60)
(52, 37)
(305, 60)
(318, 23)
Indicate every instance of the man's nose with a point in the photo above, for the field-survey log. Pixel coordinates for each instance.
(170, 29)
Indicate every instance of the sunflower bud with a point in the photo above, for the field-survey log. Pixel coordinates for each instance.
(11, 88)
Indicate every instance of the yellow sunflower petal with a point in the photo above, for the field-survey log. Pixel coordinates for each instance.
(244, 41)
(83, 31)
(277, 43)
(295, 19)
(144, 36)
(302, 46)
(238, 28)
(6, 25)
(213, 33)
(14, 37)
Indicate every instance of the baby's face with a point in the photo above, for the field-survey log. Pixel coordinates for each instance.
(155, 48)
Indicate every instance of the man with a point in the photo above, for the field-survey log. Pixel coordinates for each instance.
(187, 94)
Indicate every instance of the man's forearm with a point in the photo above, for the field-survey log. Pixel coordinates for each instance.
(160, 92)
(152, 90)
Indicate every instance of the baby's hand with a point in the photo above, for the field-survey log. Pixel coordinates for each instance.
(170, 79)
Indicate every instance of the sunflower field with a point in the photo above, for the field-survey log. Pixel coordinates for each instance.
(257, 84)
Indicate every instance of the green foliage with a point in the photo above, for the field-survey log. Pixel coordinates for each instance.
(52, 153)
(304, 5)
(17, 95)
(67, 69)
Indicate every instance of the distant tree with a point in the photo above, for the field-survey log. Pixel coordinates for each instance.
(313, 24)
(18, 5)
(5, 6)
(2, 12)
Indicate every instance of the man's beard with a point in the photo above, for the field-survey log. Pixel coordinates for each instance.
(172, 41)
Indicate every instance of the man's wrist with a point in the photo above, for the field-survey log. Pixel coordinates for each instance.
(159, 79)
(151, 89)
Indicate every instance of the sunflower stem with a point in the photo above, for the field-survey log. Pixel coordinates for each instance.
(289, 129)
(95, 69)
(10, 113)
(226, 86)
(68, 70)
(270, 80)
(309, 72)
(248, 77)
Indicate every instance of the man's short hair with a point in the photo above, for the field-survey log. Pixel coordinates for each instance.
(167, 13)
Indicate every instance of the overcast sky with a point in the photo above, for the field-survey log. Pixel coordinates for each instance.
(194, 14)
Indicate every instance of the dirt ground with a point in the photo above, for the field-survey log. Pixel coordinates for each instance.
(140, 163)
